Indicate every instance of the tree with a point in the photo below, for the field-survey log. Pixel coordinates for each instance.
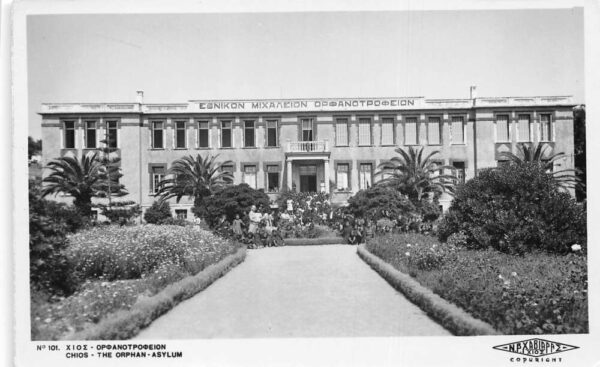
(33, 147)
(159, 212)
(380, 202)
(195, 177)
(515, 209)
(536, 154)
(580, 148)
(78, 178)
(232, 200)
(109, 185)
(416, 176)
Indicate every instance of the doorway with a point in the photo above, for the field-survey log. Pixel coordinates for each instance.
(308, 178)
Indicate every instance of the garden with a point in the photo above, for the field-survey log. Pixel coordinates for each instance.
(511, 250)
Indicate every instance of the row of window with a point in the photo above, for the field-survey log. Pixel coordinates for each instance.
(273, 175)
(225, 134)
(414, 133)
(525, 128)
(91, 137)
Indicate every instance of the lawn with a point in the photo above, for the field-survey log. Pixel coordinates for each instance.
(115, 267)
(537, 293)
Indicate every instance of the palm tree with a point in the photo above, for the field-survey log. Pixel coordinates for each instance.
(416, 176)
(194, 177)
(536, 153)
(78, 178)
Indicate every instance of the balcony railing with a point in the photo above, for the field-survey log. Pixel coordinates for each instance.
(308, 146)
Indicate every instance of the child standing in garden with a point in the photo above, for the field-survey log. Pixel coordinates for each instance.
(236, 226)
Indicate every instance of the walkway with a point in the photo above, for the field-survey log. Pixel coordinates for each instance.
(304, 291)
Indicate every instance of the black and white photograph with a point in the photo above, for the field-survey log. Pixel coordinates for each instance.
(304, 184)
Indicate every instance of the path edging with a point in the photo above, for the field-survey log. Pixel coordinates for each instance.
(122, 325)
(453, 318)
(314, 241)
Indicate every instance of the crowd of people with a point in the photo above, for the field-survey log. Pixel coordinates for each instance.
(267, 227)
(259, 230)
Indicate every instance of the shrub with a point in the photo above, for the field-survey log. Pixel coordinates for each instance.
(121, 212)
(536, 293)
(49, 223)
(458, 239)
(379, 202)
(116, 267)
(515, 209)
(233, 200)
(131, 252)
(158, 212)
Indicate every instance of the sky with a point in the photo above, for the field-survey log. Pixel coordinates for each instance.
(179, 57)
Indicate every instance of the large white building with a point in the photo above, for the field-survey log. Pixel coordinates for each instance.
(315, 144)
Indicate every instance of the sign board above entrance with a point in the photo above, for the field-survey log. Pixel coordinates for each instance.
(309, 105)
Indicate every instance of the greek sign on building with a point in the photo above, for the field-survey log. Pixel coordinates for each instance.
(328, 104)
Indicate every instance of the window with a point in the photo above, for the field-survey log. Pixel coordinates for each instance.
(225, 134)
(341, 132)
(307, 130)
(272, 178)
(203, 134)
(502, 128)
(272, 133)
(69, 131)
(111, 134)
(433, 131)
(228, 168)
(249, 134)
(365, 176)
(503, 163)
(250, 176)
(90, 134)
(410, 131)
(364, 131)
(387, 131)
(180, 134)
(158, 135)
(156, 176)
(458, 130)
(181, 213)
(546, 127)
(524, 128)
(342, 170)
(459, 168)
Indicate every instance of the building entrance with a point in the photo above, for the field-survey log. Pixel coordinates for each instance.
(308, 178)
(308, 183)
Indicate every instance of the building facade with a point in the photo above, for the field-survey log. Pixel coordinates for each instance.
(333, 144)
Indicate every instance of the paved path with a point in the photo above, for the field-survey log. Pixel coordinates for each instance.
(300, 291)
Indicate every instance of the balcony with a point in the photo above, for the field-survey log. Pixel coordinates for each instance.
(317, 146)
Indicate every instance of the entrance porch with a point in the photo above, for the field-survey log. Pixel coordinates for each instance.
(307, 167)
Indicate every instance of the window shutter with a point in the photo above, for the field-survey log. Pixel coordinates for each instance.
(502, 132)
(433, 131)
(341, 132)
(458, 130)
(524, 124)
(364, 131)
(410, 131)
(387, 131)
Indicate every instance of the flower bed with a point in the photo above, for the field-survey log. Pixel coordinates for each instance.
(115, 267)
(537, 293)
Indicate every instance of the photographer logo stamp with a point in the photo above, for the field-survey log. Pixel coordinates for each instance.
(536, 349)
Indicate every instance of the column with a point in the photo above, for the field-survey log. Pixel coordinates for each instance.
(326, 166)
(289, 174)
